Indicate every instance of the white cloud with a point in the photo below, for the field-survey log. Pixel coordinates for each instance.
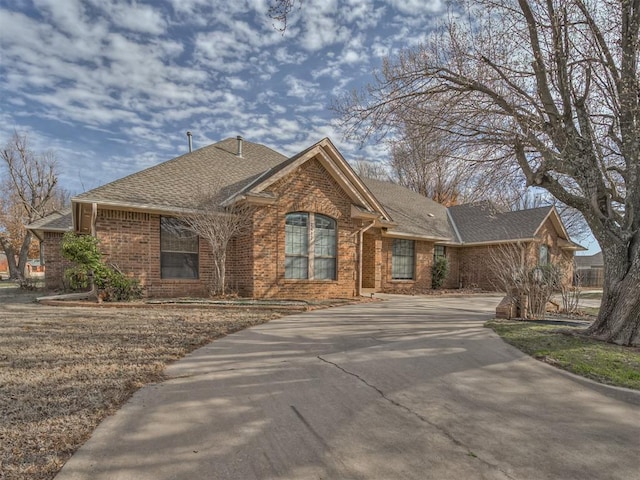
(134, 17)
(237, 83)
(136, 74)
(299, 88)
(417, 7)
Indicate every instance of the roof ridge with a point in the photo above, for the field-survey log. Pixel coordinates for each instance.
(201, 150)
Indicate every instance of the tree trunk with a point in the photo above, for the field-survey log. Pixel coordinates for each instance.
(24, 253)
(217, 274)
(11, 259)
(223, 273)
(619, 317)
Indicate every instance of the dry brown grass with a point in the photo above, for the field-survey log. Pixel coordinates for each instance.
(63, 369)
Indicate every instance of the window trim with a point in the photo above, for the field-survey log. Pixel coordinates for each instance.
(310, 254)
(438, 255)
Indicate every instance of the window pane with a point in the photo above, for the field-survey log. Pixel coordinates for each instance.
(325, 222)
(178, 250)
(175, 237)
(325, 237)
(402, 260)
(296, 240)
(324, 268)
(296, 245)
(296, 267)
(297, 219)
(178, 265)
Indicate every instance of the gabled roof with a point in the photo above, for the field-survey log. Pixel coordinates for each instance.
(483, 223)
(414, 214)
(335, 164)
(55, 222)
(215, 170)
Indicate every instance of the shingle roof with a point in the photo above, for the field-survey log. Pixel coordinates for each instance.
(215, 170)
(218, 171)
(56, 221)
(481, 222)
(414, 213)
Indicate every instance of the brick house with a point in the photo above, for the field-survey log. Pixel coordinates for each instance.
(317, 231)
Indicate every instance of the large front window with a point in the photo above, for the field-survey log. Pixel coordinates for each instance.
(403, 259)
(310, 246)
(178, 250)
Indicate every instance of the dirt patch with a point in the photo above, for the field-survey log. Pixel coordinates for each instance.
(63, 369)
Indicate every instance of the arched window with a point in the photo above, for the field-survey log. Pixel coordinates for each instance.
(310, 246)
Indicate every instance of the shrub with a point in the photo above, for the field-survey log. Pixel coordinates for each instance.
(111, 283)
(439, 272)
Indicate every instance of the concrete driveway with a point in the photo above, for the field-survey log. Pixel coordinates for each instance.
(410, 388)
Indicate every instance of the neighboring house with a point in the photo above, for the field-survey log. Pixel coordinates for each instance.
(589, 270)
(318, 230)
(34, 268)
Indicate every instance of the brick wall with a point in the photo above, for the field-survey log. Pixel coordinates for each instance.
(55, 264)
(310, 189)
(424, 262)
(474, 267)
(131, 242)
(372, 259)
(453, 277)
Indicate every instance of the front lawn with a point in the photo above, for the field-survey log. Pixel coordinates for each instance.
(63, 369)
(564, 346)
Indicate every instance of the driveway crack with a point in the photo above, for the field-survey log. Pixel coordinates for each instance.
(422, 418)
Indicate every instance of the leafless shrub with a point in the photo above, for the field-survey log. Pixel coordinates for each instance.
(530, 286)
(217, 225)
(571, 293)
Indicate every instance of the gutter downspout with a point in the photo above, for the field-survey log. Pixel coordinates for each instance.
(360, 239)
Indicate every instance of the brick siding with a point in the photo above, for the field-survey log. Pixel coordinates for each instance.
(55, 263)
(256, 261)
(310, 189)
(422, 272)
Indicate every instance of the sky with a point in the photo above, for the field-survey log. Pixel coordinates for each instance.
(112, 86)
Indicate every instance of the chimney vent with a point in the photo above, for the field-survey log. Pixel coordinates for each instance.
(190, 143)
(239, 153)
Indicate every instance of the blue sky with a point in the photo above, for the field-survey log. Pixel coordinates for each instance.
(113, 85)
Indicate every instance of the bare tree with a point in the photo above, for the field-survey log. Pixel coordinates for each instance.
(530, 286)
(217, 225)
(369, 169)
(436, 164)
(29, 192)
(550, 87)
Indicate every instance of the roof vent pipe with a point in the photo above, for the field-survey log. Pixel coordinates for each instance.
(239, 138)
(190, 142)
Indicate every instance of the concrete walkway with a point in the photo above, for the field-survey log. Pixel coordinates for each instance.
(411, 388)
